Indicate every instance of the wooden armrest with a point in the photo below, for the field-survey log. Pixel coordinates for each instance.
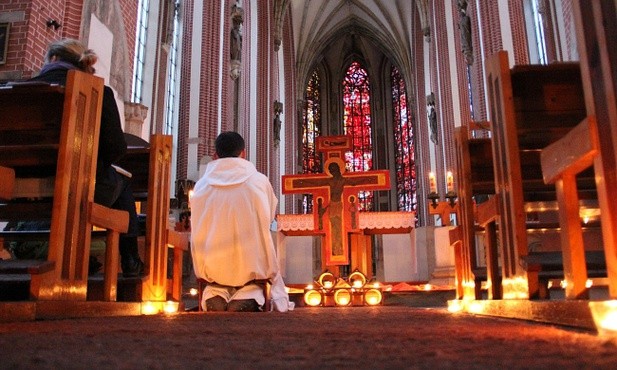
(573, 153)
(31, 267)
(488, 211)
(110, 219)
(8, 182)
(178, 239)
(456, 235)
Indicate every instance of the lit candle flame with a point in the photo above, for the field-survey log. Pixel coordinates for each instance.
(170, 307)
(149, 308)
(432, 182)
(449, 182)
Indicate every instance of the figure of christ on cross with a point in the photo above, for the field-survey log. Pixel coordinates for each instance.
(334, 203)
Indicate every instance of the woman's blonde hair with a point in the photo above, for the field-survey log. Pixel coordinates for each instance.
(74, 52)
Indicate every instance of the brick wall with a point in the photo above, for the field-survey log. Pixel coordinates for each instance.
(519, 34)
(71, 22)
(227, 93)
(570, 51)
(208, 81)
(29, 34)
(444, 98)
(477, 69)
(263, 64)
(245, 114)
(129, 14)
(184, 93)
(421, 131)
(289, 135)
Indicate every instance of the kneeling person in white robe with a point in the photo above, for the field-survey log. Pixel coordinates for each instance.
(232, 208)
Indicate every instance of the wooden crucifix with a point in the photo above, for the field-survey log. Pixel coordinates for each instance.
(335, 197)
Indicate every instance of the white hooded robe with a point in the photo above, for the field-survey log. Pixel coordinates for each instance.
(232, 208)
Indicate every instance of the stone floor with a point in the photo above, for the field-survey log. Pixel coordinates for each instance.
(397, 335)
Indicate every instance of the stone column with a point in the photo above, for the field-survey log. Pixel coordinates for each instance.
(134, 117)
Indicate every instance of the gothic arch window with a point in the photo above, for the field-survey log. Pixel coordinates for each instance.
(311, 129)
(535, 23)
(171, 103)
(140, 50)
(403, 139)
(357, 124)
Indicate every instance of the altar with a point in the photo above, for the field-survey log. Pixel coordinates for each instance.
(339, 231)
(403, 258)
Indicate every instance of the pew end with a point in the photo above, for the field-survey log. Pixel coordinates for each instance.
(40, 125)
(7, 184)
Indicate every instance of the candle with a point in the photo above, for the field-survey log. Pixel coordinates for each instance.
(432, 182)
(170, 307)
(449, 182)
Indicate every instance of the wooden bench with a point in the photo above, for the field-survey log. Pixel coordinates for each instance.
(550, 265)
(596, 26)
(474, 167)
(7, 184)
(52, 131)
(150, 167)
(531, 107)
(562, 162)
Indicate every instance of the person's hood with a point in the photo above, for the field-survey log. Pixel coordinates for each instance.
(228, 171)
(52, 66)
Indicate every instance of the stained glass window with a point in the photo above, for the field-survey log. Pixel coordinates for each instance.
(357, 124)
(403, 137)
(311, 129)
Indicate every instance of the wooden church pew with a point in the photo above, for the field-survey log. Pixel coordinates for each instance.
(562, 162)
(596, 27)
(531, 107)
(8, 183)
(150, 166)
(52, 131)
(475, 184)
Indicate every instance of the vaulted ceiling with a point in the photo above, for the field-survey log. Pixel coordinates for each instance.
(385, 24)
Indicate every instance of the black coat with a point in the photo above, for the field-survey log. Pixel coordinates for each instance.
(112, 145)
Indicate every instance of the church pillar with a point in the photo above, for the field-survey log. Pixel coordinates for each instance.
(134, 116)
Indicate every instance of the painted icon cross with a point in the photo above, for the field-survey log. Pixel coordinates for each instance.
(335, 196)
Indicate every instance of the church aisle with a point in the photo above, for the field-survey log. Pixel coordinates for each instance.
(391, 337)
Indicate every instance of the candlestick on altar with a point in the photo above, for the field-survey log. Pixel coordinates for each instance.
(449, 182)
(432, 183)
(450, 193)
(444, 210)
(451, 197)
(433, 195)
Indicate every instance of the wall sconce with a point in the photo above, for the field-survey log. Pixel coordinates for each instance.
(53, 23)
